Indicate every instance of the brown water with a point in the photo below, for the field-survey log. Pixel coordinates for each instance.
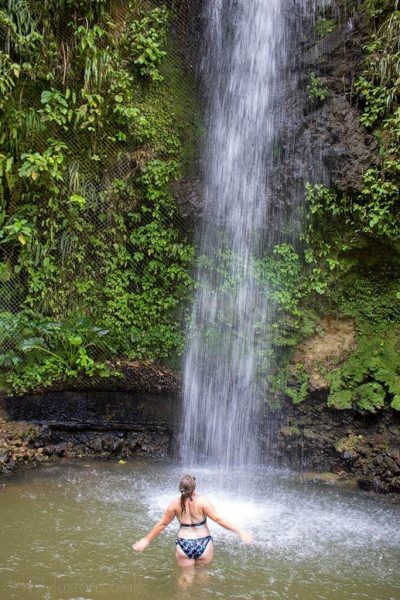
(66, 532)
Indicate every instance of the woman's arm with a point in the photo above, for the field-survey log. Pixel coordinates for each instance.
(165, 520)
(210, 512)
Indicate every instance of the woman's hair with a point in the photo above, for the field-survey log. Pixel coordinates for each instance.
(187, 485)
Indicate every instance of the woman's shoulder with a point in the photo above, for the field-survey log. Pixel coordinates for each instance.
(174, 504)
(203, 500)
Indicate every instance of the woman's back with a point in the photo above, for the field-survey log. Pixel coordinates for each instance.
(193, 512)
(194, 544)
(192, 520)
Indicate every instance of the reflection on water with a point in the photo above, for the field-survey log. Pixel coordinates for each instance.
(66, 533)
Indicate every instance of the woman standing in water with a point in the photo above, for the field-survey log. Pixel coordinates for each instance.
(194, 544)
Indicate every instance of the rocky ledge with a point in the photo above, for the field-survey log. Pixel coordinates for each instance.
(27, 444)
(312, 436)
(133, 413)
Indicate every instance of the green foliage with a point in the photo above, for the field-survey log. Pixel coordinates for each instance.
(370, 375)
(148, 37)
(98, 120)
(143, 311)
(298, 392)
(377, 206)
(49, 162)
(37, 351)
(350, 260)
(348, 444)
(361, 282)
(377, 8)
(374, 212)
(352, 279)
(285, 281)
(292, 382)
(379, 82)
(375, 101)
(316, 89)
(323, 26)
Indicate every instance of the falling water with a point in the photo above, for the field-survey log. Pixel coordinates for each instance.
(244, 62)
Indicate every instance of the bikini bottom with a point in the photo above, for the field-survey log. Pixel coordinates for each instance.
(194, 547)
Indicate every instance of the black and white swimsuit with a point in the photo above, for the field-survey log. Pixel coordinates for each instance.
(194, 547)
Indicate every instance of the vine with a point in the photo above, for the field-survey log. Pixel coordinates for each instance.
(96, 122)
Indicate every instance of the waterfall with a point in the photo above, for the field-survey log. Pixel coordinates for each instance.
(245, 48)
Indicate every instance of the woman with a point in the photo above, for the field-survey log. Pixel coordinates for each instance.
(194, 544)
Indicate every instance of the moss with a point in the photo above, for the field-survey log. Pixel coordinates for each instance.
(298, 390)
(369, 292)
(348, 444)
(395, 404)
(340, 399)
(323, 27)
(291, 431)
(370, 378)
(370, 396)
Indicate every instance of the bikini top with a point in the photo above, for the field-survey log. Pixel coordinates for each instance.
(194, 524)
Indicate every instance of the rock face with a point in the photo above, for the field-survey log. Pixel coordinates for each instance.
(103, 425)
(326, 350)
(139, 417)
(312, 436)
(333, 128)
(322, 141)
(188, 194)
(24, 443)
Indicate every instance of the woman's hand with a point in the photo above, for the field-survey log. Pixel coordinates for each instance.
(246, 537)
(141, 545)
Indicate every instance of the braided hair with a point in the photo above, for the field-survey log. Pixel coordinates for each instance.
(187, 485)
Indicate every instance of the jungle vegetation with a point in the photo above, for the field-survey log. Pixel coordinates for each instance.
(98, 118)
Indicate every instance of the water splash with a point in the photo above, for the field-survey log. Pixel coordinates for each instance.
(244, 65)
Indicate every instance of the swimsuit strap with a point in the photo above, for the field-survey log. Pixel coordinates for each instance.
(194, 524)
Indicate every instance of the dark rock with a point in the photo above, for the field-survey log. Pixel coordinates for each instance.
(311, 435)
(391, 464)
(107, 443)
(289, 432)
(4, 457)
(49, 450)
(369, 485)
(394, 430)
(363, 450)
(59, 449)
(96, 444)
(189, 196)
(11, 466)
(337, 469)
(378, 460)
(117, 446)
(394, 486)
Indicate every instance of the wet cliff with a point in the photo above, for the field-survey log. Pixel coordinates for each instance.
(333, 396)
(135, 414)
